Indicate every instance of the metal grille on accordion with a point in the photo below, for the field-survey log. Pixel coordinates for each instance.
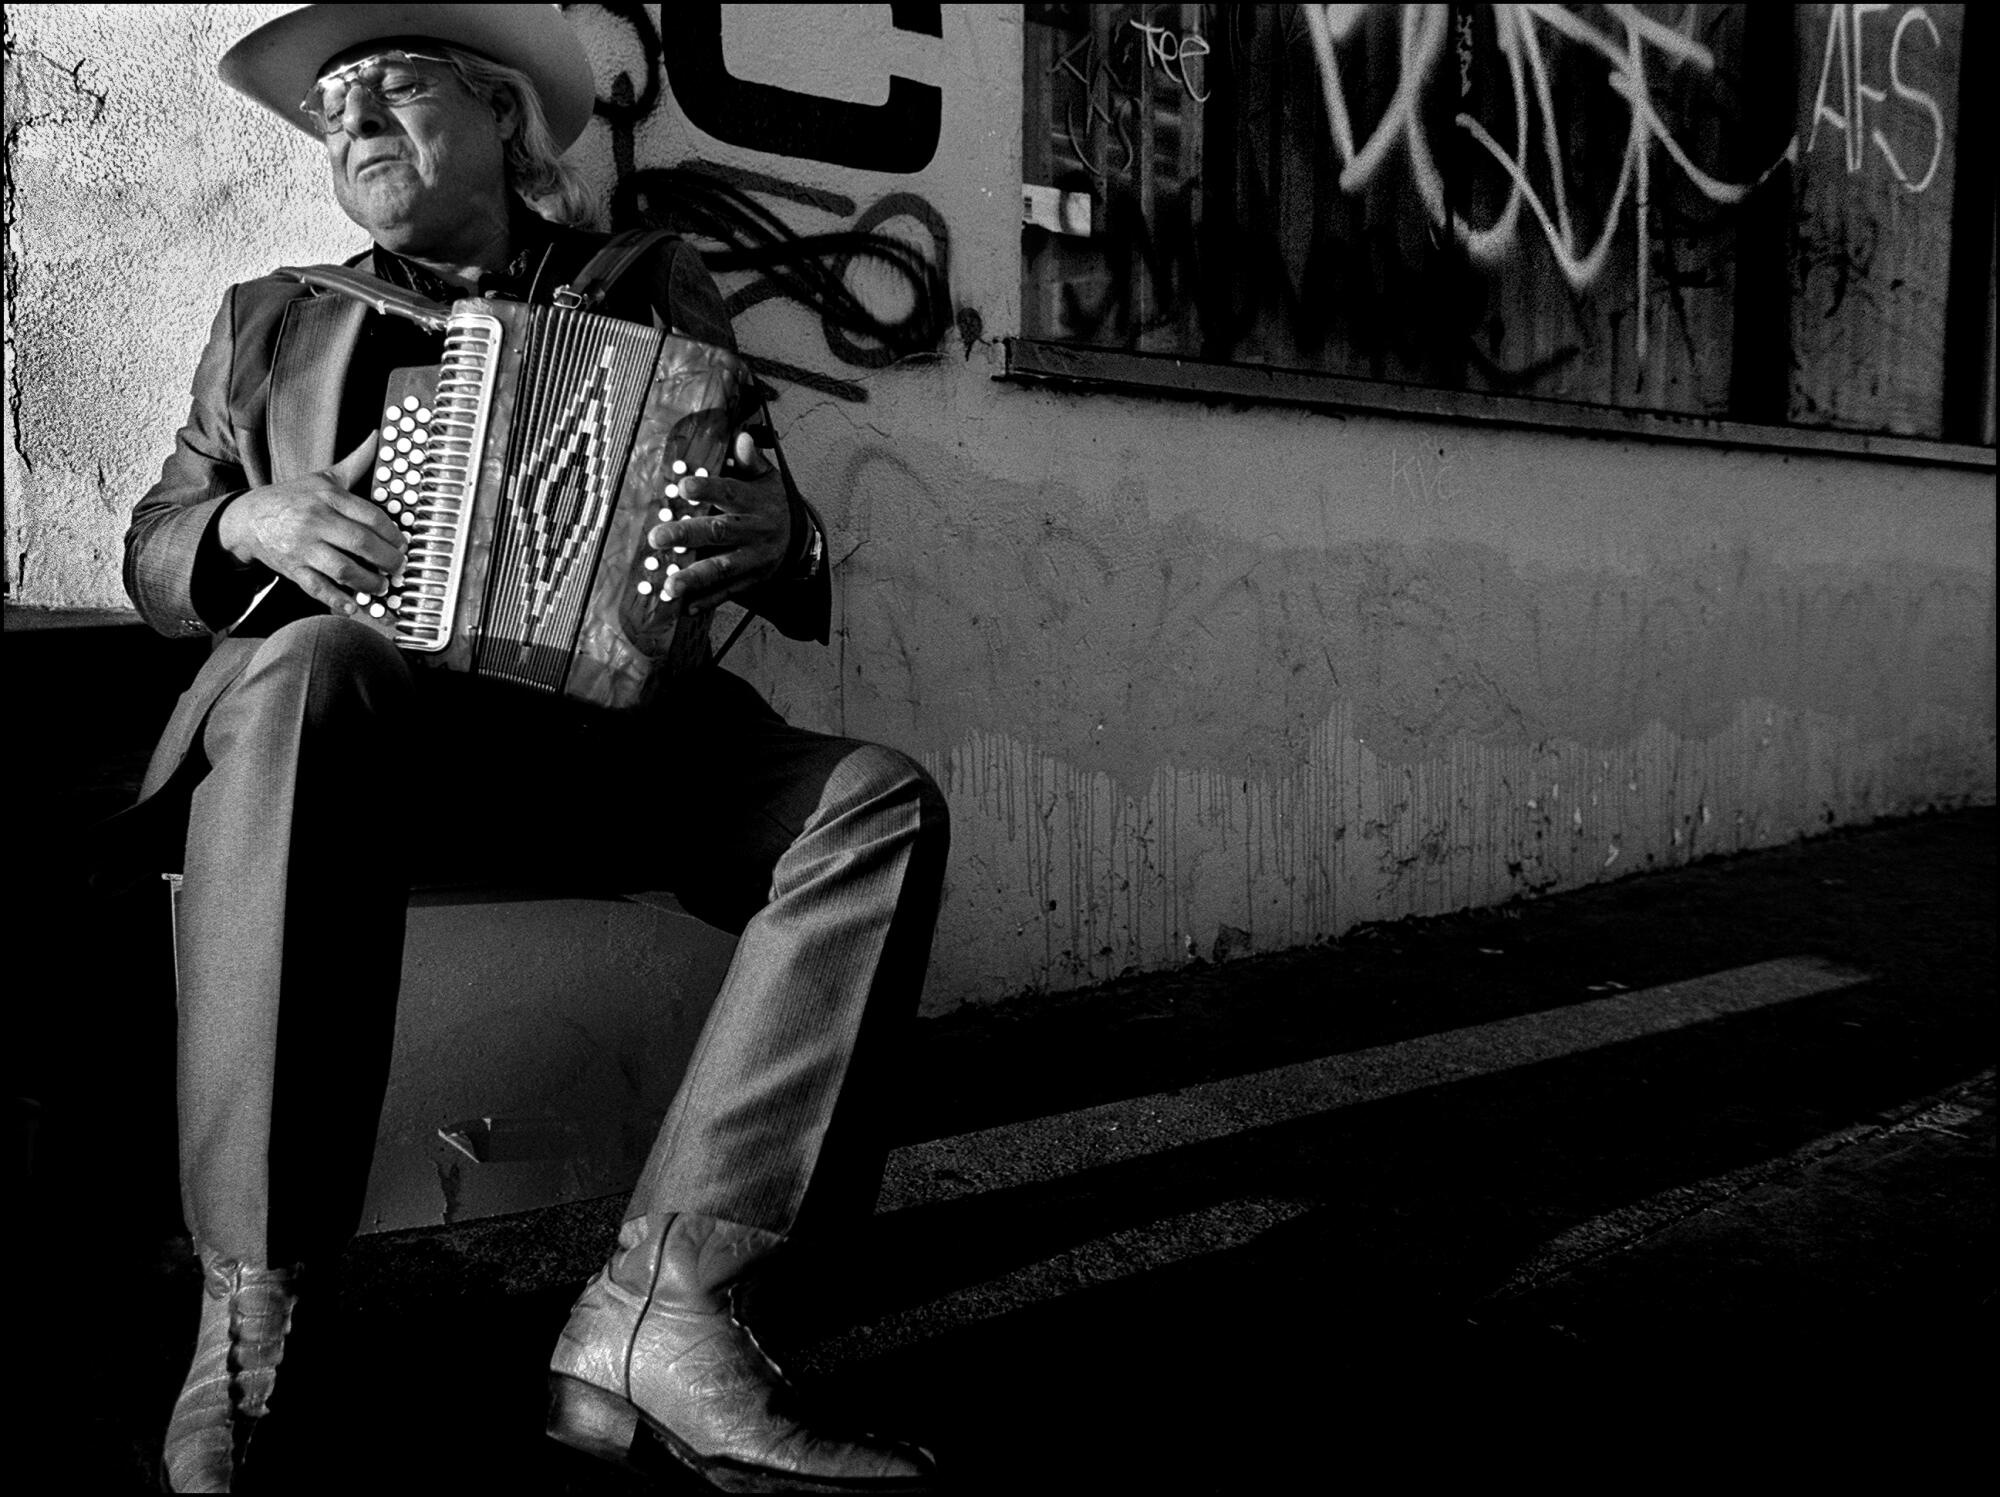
(526, 470)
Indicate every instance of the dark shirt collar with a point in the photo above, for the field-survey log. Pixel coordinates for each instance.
(515, 281)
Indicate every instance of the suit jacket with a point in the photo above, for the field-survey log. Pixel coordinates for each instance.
(254, 420)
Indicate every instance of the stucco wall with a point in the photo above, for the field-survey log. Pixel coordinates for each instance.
(1195, 677)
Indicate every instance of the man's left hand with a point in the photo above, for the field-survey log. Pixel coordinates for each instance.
(749, 532)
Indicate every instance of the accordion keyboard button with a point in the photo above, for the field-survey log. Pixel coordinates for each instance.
(380, 495)
(679, 466)
(652, 563)
(410, 402)
(645, 588)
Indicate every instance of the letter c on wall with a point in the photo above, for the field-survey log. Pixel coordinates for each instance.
(899, 136)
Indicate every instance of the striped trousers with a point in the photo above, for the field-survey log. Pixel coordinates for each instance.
(327, 775)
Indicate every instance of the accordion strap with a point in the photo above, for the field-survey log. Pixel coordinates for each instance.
(391, 300)
(606, 266)
(580, 295)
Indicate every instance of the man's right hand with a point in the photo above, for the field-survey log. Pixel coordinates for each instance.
(318, 531)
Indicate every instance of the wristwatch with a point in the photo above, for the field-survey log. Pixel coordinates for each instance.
(807, 565)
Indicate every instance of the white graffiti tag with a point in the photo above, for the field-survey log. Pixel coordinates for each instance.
(1844, 44)
(1174, 55)
(1626, 50)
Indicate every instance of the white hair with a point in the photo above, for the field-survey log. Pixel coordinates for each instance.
(536, 170)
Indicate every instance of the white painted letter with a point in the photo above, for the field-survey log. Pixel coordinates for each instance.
(1836, 40)
(1861, 90)
(1193, 47)
(1916, 96)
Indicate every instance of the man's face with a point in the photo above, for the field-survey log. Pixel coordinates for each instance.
(423, 176)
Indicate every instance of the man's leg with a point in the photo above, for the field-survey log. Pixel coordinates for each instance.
(857, 836)
(828, 855)
(290, 936)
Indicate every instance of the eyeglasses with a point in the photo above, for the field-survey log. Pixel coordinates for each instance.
(391, 77)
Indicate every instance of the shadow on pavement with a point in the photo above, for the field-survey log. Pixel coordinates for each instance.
(1297, 1305)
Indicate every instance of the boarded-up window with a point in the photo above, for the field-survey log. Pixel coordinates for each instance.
(1760, 212)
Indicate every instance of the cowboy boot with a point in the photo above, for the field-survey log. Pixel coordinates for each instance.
(245, 1316)
(654, 1351)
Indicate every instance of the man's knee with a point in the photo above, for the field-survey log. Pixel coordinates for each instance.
(890, 777)
(329, 670)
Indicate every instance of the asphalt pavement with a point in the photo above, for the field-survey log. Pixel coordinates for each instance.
(1689, 1176)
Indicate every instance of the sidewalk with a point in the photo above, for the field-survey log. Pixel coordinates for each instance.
(1693, 1168)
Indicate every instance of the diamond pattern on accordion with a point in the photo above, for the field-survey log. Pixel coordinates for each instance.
(527, 556)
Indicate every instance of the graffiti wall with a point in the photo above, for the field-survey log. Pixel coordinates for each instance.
(1198, 678)
(1721, 210)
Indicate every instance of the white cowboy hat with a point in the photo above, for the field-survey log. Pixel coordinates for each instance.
(278, 63)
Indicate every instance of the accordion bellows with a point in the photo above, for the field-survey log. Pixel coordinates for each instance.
(527, 469)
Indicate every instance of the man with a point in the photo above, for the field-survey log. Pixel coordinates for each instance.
(290, 761)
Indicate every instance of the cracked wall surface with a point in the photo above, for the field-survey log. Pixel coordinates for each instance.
(137, 192)
(1197, 679)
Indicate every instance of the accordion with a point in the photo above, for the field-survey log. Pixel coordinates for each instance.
(526, 470)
